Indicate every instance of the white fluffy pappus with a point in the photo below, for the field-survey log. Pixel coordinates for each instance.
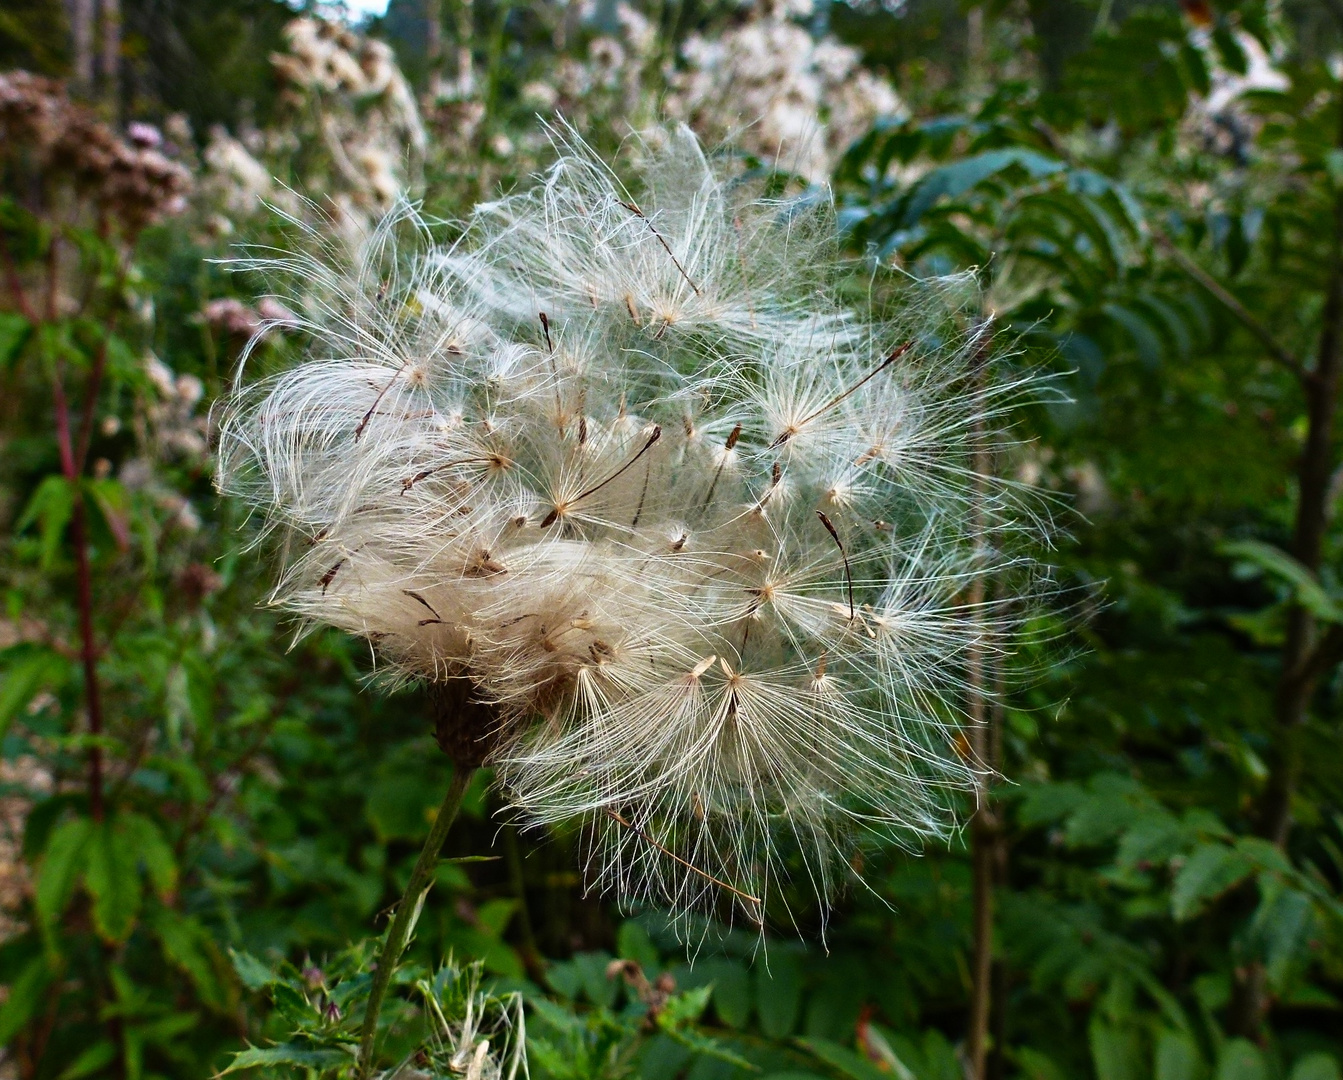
(699, 533)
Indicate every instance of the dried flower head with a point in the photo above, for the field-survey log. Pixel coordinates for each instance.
(784, 96)
(366, 113)
(697, 531)
(129, 185)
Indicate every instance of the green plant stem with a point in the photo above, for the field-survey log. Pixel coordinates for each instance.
(406, 913)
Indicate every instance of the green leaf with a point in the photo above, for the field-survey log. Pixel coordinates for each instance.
(960, 176)
(732, 997)
(1240, 1059)
(401, 806)
(292, 1004)
(778, 995)
(1283, 923)
(882, 1050)
(113, 506)
(25, 996)
(92, 1059)
(1115, 1051)
(1209, 872)
(710, 1047)
(1045, 804)
(493, 917)
(29, 669)
(252, 972)
(14, 332)
(146, 840)
(1177, 1056)
(1306, 588)
(841, 1058)
(188, 946)
(633, 943)
(113, 880)
(287, 1054)
(51, 507)
(61, 865)
(685, 1007)
(1316, 1066)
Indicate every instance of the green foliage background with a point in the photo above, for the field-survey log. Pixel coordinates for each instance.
(267, 805)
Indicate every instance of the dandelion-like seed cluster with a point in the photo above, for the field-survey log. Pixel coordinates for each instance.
(700, 534)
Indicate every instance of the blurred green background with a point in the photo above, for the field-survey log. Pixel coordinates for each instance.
(1152, 194)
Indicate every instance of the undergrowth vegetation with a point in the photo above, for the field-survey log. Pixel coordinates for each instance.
(206, 817)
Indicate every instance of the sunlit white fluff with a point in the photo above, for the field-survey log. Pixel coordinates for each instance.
(702, 534)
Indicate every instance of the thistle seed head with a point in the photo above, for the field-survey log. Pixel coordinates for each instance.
(698, 533)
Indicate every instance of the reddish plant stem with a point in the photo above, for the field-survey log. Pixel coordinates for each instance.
(83, 595)
(81, 454)
(71, 469)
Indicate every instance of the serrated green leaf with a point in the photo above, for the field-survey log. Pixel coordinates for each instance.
(709, 1047)
(292, 1004)
(93, 1058)
(849, 1062)
(113, 879)
(1047, 803)
(29, 668)
(187, 946)
(112, 503)
(956, 179)
(14, 332)
(147, 842)
(60, 868)
(685, 1007)
(1283, 922)
(251, 972)
(25, 996)
(1209, 872)
(287, 1054)
(51, 507)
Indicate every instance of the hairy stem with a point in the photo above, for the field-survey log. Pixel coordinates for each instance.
(407, 911)
(983, 826)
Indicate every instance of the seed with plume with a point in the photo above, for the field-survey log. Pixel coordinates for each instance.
(697, 531)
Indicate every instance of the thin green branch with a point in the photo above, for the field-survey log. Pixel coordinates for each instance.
(1279, 353)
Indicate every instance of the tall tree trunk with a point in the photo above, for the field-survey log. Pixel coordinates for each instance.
(1302, 655)
(110, 68)
(433, 44)
(1300, 675)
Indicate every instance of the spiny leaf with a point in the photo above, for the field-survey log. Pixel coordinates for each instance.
(287, 1054)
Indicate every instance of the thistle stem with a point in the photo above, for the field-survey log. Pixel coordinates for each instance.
(407, 911)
